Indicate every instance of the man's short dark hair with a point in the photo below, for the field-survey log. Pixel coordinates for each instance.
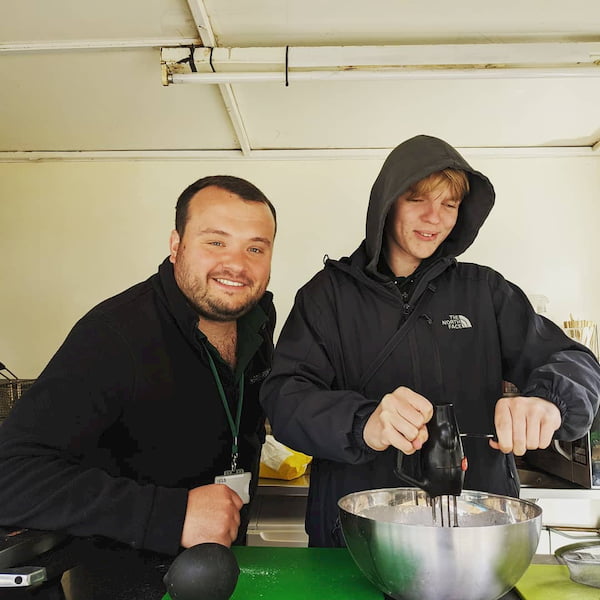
(240, 187)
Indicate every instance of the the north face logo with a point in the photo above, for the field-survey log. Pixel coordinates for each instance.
(457, 322)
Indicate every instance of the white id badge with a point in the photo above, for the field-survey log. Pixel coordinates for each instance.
(238, 481)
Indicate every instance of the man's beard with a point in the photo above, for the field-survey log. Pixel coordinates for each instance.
(216, 310)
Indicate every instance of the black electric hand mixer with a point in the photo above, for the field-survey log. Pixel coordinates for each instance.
(442, 465)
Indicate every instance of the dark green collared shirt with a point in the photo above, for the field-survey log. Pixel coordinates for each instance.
(248, 342)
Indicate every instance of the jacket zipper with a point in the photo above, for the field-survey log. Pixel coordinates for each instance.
(437, 362)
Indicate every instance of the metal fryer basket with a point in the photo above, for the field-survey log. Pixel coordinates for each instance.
(10, 391)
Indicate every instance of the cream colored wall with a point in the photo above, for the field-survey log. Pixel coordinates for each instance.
(74, 233)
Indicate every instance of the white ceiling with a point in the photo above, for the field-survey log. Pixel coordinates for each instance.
(85, 78)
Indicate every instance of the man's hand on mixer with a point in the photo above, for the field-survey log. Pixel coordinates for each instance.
(400, 420)
(524, 423)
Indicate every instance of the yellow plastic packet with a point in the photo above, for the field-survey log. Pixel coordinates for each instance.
(280, 462)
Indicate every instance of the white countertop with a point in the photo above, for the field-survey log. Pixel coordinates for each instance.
(532, 493)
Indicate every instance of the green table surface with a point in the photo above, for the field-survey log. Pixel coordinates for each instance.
(273, 573)
(269, 573)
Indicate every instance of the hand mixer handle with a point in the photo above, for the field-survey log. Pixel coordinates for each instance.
(441, 458)
(404, 476)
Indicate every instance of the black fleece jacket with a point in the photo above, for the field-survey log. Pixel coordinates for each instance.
(351, 338)
(126, 418)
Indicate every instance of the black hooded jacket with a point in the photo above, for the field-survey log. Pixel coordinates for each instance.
(351, 338)
(126, 418)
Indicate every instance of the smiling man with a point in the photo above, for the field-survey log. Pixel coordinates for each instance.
(145, 426)
(374, 340)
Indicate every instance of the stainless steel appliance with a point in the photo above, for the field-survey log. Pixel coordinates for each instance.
(11, 389)
(577, 462)
(278, 511)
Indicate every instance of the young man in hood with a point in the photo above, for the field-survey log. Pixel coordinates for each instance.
(376, 339)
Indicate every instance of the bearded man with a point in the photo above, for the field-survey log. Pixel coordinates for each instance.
(145, 427)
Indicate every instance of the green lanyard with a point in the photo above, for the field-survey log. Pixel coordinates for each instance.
(234, 426)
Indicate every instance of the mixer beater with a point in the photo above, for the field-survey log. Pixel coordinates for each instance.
(444, 510)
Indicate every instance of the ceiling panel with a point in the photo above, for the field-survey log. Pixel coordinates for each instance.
(289, 22)
(491, 113)
(45, 20)
(112, 99)
(105, 100)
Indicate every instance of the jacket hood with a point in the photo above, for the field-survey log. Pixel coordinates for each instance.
(410, 162)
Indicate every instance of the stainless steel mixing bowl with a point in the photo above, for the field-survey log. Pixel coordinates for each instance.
(391, 536)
